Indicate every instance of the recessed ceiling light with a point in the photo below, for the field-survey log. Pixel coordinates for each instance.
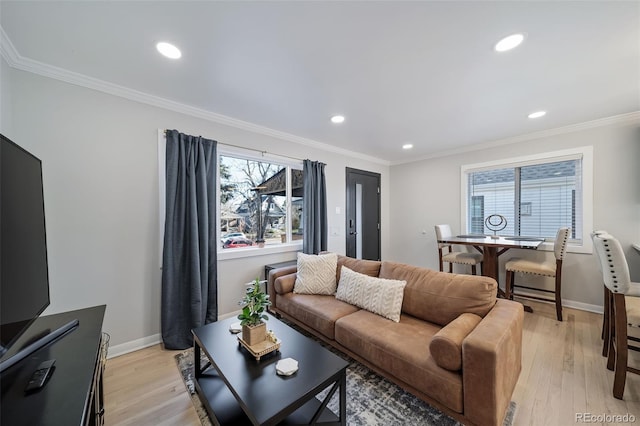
(168, 50)
(337, 119)
(509, 42)
(537, 114)
(407, 146)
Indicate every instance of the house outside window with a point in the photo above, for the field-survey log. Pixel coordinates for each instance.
(260, 202)
(537, 195)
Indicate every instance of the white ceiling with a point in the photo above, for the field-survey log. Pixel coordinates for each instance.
(419, 72)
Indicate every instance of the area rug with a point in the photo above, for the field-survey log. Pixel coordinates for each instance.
(371, 400)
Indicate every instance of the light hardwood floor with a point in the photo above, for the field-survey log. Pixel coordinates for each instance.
(563, 373)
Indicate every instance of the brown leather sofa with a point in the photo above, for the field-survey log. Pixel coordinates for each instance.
(456, 346)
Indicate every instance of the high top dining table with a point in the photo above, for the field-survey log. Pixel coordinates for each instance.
(491, 248)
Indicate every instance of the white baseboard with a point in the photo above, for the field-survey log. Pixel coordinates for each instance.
(145, 342)
(134, 345)
(596, 309)
(229, 315)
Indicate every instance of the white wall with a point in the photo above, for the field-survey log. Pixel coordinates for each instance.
(100, 167)
(6, 120)
(435, 185)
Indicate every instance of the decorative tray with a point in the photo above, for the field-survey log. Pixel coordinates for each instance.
(260, 349)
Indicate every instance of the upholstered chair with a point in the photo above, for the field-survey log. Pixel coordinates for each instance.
(546, 269)
(624, 307)
(463, 257)
(606, 299)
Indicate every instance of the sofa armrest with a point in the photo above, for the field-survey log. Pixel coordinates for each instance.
(446, 344)
(492, 360)
(274, 274)
(285, 283)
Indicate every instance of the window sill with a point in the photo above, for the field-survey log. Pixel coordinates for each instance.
(238, 253)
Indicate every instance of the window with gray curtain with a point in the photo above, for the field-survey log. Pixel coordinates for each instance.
(189, 260)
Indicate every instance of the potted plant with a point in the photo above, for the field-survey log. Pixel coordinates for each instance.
(254, 303)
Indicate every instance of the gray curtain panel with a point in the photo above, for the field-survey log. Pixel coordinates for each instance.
(189, 261)
(314, 209)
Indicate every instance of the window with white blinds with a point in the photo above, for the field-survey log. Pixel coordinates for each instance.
(536, 196)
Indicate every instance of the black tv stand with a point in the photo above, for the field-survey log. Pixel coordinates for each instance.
(39, 343)
(73, 394)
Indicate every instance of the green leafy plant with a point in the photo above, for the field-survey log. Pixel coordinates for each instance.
(254, 303)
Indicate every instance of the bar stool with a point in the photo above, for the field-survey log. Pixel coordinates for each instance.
(606, 299)
(459, 257)
(545, 269)
(624, 307)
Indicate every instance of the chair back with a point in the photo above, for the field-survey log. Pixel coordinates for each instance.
(443, 232)
(593, 236)
(613, 263)
(560, 244)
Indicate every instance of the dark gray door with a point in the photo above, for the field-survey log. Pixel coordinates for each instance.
(363, 214)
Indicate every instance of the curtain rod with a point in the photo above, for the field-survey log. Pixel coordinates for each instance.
(252, 149)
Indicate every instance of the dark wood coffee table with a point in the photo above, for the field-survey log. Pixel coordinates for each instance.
(238, 390)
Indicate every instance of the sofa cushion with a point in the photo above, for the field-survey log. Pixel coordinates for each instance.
(441, 297)
(319, 312)
(446, 345)
(366, 267)
(377, 295)
(401, 349)
(316, 274)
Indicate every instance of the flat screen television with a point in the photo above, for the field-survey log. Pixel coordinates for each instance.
(24, 277)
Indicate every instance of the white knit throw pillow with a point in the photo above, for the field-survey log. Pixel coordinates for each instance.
(316, 274)
(378, 295)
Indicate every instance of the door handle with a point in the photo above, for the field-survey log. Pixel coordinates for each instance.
(353, 233)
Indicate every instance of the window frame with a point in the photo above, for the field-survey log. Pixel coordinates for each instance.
(291, 246)
(585, 153)
(253, 155)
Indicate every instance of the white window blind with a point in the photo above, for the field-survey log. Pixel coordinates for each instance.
(536, 199)
(495, 190)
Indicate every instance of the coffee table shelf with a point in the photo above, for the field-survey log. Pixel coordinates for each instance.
(224, 409)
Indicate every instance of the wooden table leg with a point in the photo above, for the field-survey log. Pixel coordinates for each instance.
(343, 399)
(196, 359)
(490, 266)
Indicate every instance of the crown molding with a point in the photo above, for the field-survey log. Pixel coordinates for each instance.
(8, 50)
(622, 119)
(17, 61)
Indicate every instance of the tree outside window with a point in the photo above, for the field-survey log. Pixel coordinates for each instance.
(256, 200)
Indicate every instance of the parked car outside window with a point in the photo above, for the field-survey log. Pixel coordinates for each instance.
(225, 237)
(236, 242)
